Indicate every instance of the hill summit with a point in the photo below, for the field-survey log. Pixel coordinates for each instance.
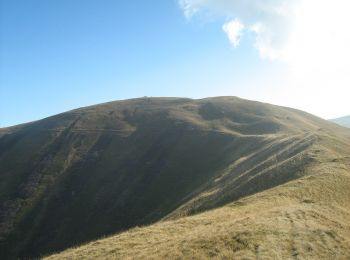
(264, 178)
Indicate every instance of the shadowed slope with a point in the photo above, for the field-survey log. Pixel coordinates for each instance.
(98, 170)
(308, 218)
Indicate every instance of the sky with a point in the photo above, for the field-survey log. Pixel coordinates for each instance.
(59, 55)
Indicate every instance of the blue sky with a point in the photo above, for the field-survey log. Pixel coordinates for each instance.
(61, 54)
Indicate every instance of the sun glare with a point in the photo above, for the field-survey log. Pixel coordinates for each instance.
(319, 56)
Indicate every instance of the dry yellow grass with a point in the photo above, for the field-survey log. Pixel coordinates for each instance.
(308, 218)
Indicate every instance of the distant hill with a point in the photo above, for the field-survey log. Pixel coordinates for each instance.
(100, 170)
(343, 121)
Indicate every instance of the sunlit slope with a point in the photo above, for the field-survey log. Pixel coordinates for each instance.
(95, 171)
(308, 218)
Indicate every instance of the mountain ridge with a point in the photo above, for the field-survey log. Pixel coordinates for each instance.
(343, 121)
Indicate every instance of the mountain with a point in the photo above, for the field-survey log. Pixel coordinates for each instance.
(265, 174)
(343, 121)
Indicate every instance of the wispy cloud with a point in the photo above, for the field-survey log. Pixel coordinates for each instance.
(188, 7)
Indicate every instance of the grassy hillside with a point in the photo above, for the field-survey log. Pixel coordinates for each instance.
(308, 218)
(343, 121)
(95, 171)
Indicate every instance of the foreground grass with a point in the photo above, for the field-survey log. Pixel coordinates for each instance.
(307, 218)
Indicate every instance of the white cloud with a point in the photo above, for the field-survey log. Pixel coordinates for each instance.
(270, 20)
(311, 36)
(233, 29)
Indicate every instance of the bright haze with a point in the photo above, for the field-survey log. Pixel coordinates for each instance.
(60, 54)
